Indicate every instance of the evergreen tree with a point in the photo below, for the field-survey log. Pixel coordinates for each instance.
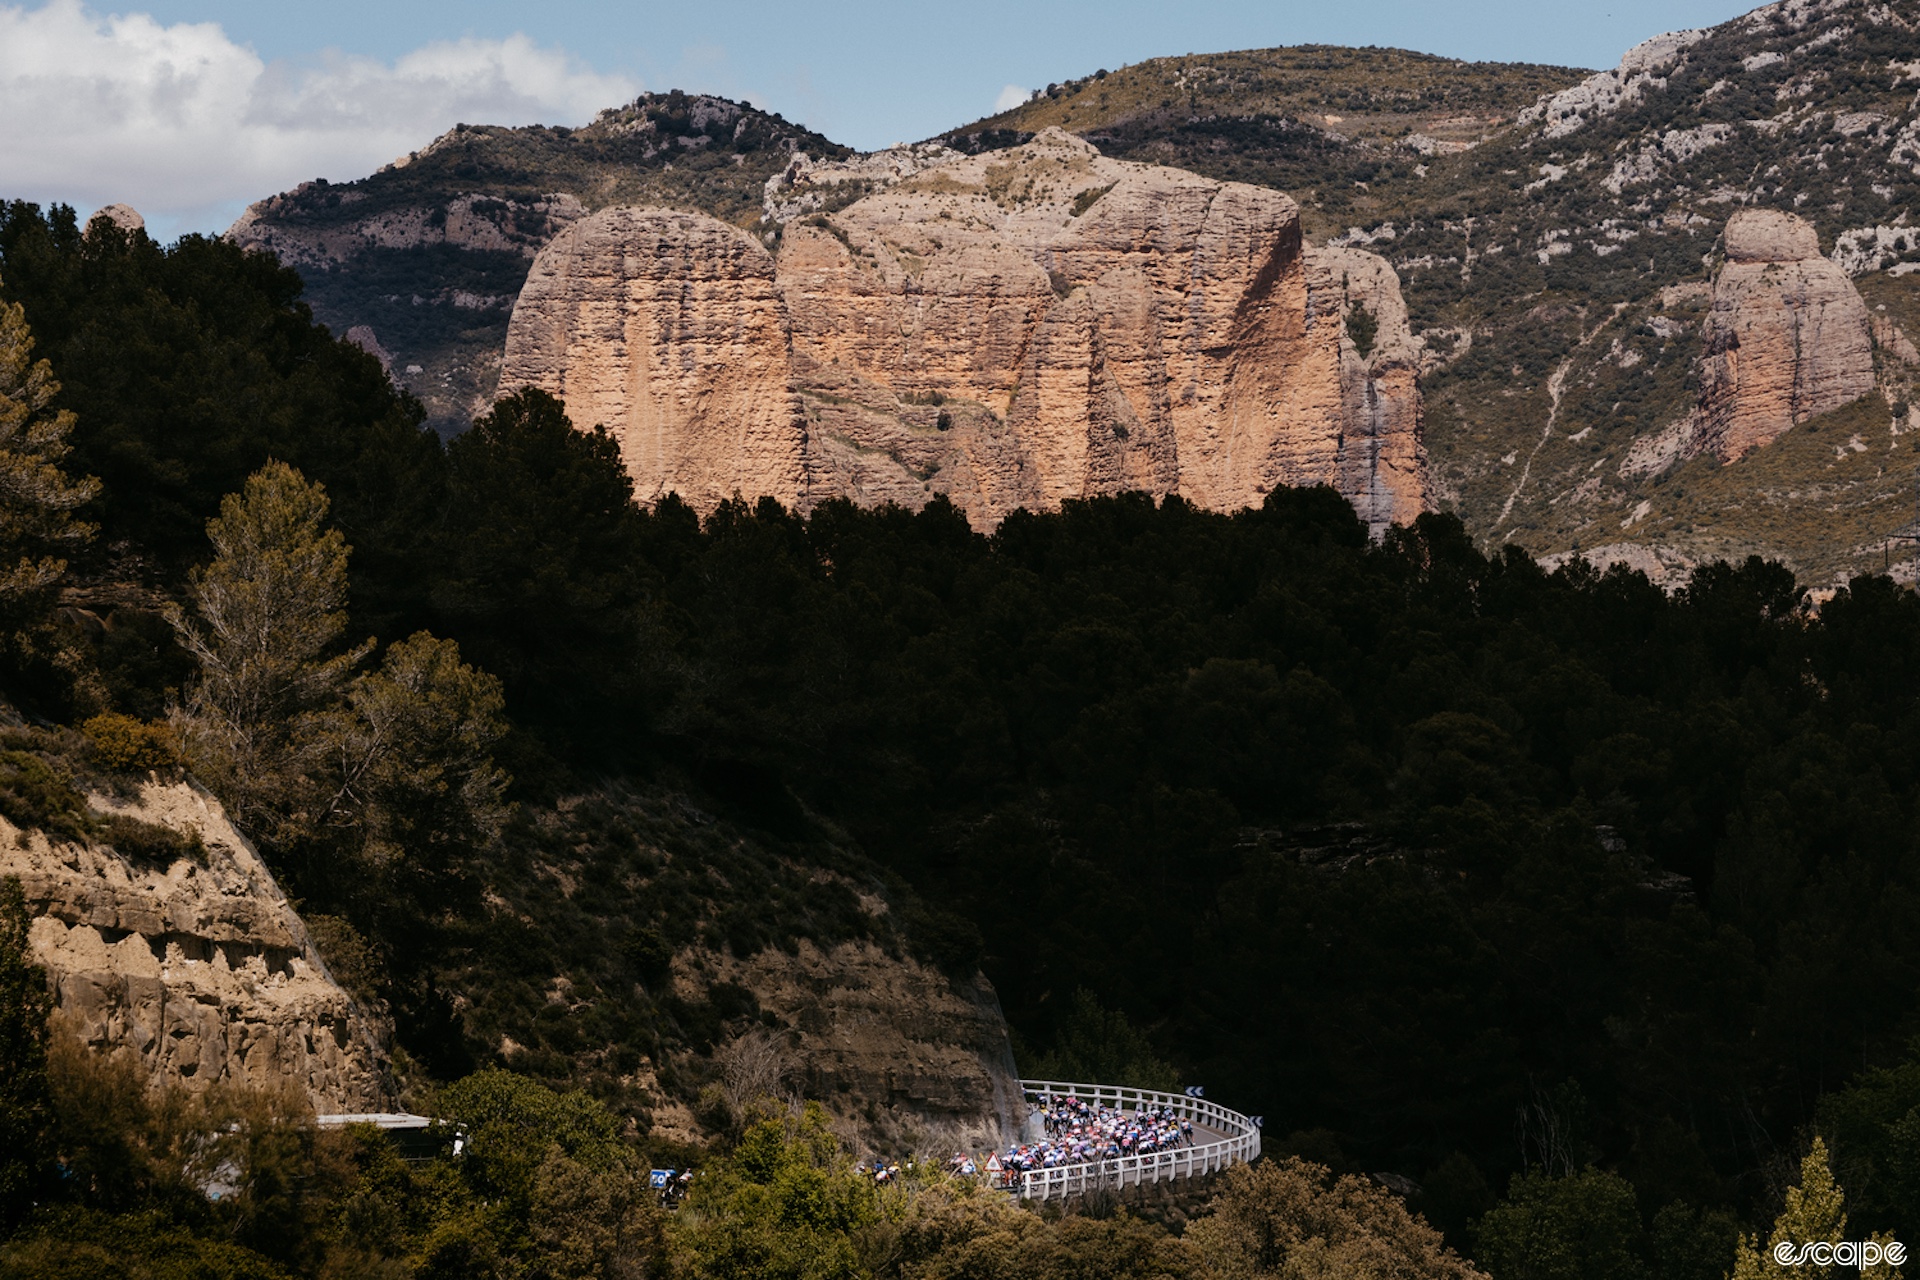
(1096, 1045)
(1584, 1226)
(37, 498)
(413, 769)
(271, 612)
(1815, 1211)
(366, 787)
(544, 578)
(24, 1006)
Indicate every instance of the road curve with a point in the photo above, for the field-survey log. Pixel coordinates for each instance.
(1229, 1138)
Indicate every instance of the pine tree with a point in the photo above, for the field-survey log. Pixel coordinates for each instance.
(337, 775)
(24, 1006)
(412, 765)
(37, 498)
(271, 613)
(1815, 1211)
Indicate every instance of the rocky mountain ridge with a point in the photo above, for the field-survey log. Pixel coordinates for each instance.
(1560, 268)
(1600, 312)
(1558, 237)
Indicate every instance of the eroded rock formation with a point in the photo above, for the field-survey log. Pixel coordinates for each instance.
(200, 971)
(1788, 336)
(1013, 329)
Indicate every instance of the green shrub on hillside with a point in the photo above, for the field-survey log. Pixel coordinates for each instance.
(121, 744)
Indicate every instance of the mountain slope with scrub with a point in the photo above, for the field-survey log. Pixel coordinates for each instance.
(1560, 269)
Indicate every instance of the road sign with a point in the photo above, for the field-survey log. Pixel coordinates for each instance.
(1259, 1122)
(659, 1177)
(1195, 1091)
(993, 1163)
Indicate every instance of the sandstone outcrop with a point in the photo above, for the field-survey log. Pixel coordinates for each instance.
(123, 216)
(667, 328)
(1014, 329)
(200, 972)
(1381, 466)
(1788, 336)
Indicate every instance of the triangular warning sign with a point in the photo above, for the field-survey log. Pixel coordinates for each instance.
(993, 1163)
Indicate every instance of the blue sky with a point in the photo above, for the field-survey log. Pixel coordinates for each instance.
(873, 73)
(189, 108)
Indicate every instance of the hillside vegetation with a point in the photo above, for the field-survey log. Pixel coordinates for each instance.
(1557, 268)
(1582, 914)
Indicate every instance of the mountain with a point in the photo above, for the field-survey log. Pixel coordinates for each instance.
(1320, 122)
(1473, 877)
(420, 262)
(1559, 238)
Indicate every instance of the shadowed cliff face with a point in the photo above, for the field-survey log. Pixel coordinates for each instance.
(1012, 330)
(200, 970)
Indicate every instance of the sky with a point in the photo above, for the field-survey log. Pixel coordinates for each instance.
(190, 109)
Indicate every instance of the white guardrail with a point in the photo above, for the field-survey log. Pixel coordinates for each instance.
(1239, 1143)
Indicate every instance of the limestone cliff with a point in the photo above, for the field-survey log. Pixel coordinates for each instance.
(1788, 336)
(200, 971)
(1012, 329)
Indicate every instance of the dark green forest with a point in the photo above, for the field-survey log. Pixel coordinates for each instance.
(1516, 884)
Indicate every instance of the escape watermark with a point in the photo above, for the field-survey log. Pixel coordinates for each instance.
(1840, 1253)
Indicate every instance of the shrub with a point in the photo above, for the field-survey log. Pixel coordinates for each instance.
(351, 959)
(149, 842)
(34, 794)
(1362, 328)
(1293, 1218)
(122, 744)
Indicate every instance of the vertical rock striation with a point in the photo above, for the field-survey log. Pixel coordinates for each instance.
(1382, 461)
(1788, 336)
(666, 329)
(1015, 329)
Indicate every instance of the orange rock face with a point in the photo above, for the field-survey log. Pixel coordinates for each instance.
(1012, 330)
(666, 329)
(1788, 337)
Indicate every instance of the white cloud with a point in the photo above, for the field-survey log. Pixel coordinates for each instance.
(1010, 97)
(186, 125)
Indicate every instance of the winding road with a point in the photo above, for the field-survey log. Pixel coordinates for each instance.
(1220, 1138)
